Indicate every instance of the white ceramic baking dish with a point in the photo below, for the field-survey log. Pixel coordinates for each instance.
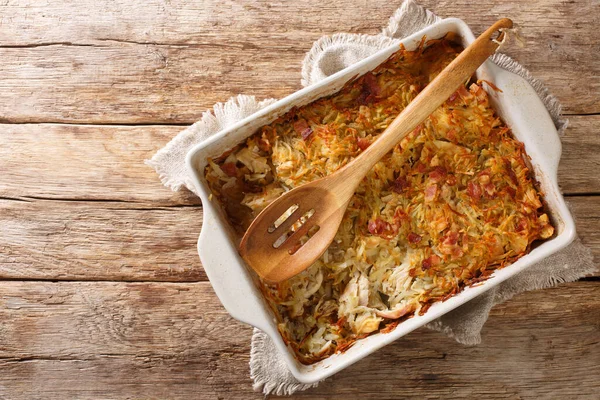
(234, 284)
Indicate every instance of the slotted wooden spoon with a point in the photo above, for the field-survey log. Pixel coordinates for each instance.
(328, 198)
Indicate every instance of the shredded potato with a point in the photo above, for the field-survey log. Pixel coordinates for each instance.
(451, 203)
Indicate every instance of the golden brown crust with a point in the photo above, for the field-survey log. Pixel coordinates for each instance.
(452, 203)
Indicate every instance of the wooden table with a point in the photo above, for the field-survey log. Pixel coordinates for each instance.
(103, 295)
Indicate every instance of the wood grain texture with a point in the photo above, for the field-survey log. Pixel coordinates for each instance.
(580, 161)
(98, 241)
(72, 240)
(156, 62)
(82, 162)
(77, 202)
(145, 340)
(87, 162)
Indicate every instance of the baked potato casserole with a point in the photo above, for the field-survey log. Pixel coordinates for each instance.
(451, 203)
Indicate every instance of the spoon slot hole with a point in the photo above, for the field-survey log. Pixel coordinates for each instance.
(294, 228)
(311, 232)
(282, 218)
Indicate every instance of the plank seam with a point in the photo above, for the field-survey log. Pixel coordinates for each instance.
(8, 121)
(34, 45)
(151, 206)
(99, 280)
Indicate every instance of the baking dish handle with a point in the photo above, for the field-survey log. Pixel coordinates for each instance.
(231, 282)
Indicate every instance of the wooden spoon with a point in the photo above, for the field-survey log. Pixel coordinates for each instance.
(327, 198)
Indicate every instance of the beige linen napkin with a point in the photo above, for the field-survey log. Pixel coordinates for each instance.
(327, 56)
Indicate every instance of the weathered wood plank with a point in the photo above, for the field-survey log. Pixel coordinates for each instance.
(74, 339)
(98, 241)
(144, 340)
(586, 211)
(87, 162)
(156, 62)
(580, 161)
(71, 240)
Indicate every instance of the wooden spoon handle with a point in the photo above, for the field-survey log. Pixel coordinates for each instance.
(426, 102)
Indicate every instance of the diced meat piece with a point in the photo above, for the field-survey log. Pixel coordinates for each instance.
(414, 238)
(301, 127)
(451, 238)
(438, 174)
(522, 224)
(370, 89)
(451, 180)
(431, 261)
(449, 244)
(400, 184)
(306, 133)
(431, 192)
(490, 189)
(426, 264)
(372, 85)
(457, 252)
(363, 143)
(452, 97)
(229, 168)
(474, 190)
(378, 226)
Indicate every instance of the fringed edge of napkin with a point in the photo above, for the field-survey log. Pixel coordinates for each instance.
(339, 39)
(285, 384)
